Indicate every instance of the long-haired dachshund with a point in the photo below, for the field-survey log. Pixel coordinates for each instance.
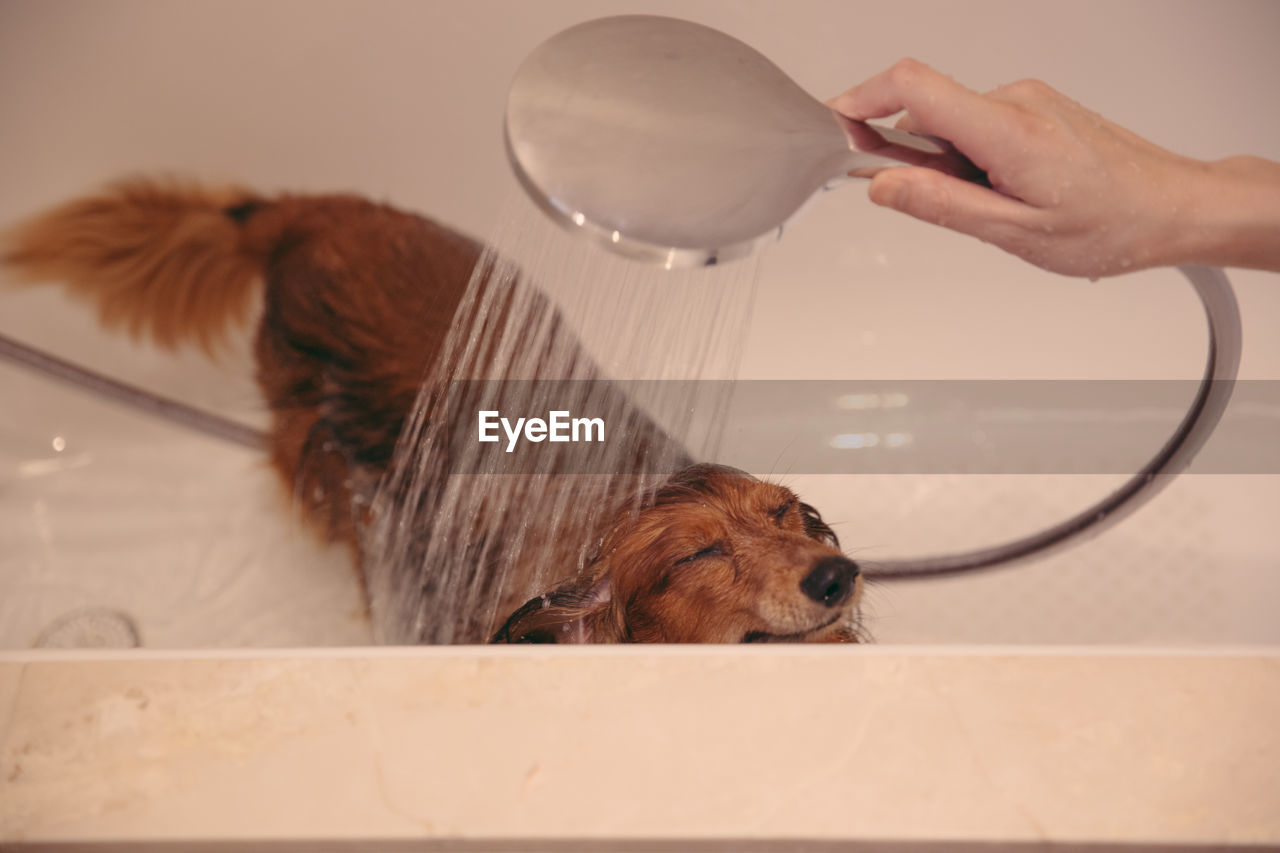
(358, 299)
(711, 556)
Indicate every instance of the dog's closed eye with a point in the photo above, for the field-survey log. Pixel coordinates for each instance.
(780, 513)
(717, 549)
(816, 528)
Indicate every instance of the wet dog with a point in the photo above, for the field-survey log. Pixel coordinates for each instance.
(357, 301)
(711, 556)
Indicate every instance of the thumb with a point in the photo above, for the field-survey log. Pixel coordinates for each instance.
(950, 202)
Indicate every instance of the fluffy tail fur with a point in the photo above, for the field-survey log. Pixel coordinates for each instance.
(163, 259)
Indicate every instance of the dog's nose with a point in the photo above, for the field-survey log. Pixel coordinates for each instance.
(831, 581)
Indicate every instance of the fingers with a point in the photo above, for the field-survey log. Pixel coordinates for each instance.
(908, 124)
(936, 104)
(952, 203)
(1025, 136)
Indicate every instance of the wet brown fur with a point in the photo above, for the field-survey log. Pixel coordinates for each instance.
(159, 259)
(711, 556)
(358, 300)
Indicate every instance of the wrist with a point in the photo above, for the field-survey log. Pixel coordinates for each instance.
(1229, 215)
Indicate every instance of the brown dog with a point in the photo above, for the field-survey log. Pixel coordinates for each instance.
(357, 303)
(711, 556)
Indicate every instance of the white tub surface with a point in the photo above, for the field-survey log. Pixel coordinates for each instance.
(517, 747)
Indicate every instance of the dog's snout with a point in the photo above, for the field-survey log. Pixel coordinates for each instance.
(831, 581)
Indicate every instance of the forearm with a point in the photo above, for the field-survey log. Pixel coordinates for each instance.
(1231, 216)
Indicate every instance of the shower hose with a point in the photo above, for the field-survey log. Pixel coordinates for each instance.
(1206, 409)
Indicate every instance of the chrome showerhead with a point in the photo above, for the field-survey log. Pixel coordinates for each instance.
(672, 142)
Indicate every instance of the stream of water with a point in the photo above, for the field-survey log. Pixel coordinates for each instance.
(461, 532)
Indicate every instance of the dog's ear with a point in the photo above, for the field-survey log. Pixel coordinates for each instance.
(816, 528)
(567, 615)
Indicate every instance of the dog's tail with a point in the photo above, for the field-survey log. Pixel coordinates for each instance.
(161, 258)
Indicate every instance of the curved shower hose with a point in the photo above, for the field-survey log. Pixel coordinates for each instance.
(1223, 315)
(1206, 410)
(117, 391)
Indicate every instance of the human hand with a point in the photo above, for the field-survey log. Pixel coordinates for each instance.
(1071, 192)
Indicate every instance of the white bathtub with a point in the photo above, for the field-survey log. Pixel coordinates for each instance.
(1121, 692)
(642, 748)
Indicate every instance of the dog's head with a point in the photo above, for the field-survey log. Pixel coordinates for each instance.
(712, 556)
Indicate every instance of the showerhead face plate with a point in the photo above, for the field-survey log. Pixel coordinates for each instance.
(665, 140)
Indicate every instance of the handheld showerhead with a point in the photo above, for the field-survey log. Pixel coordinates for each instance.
(672, 142)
